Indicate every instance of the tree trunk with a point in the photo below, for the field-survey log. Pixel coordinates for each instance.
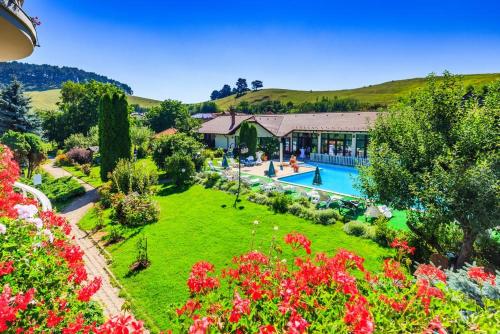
(466, 249)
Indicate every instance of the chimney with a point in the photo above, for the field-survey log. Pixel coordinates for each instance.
(232, 112)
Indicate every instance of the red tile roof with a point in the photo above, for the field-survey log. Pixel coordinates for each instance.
(167, 132)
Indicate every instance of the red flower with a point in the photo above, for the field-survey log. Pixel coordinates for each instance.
(402, 246)
(296, 324)
(435, 326)
(121, 324)
(6, 268)
(430, 272)
(267, 329)
(199, 281)
(481, 276)
(425, 292)
(358, 317)
(392, 269)
(53, 320)
(200, 326)
(296, 240)
(190, 306)
(88, 291)
(240, 307)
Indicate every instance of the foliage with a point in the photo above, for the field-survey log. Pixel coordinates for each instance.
(45, 77)
(269, 145)
(437, 151)
(141, 259)
(208, 107)
(321, 293)
(170, 114)
(77, 140)
(135, 210)
(141, 137)
(43, 281)
(383, 233)
(128, 177)
(28, 148)
(259, 198)
(59, 190)
(257, 84)
(211, 180)
(78, 109)
(62, 160)
(180, 143)
(180, 169)
(248, 137)
(487, 249)
(115, 234)
(15, 110)
(356, 228)
(327, 217)
(280, 203)
(79, 155)
(114, 132)
(475, 282)
(106, 195)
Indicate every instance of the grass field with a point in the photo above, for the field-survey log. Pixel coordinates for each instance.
(201, 224)
(46, 100)
(384, 93)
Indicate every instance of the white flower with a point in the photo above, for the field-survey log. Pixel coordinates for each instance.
(3, 229)
(36, 221)
(276, 228)
(26, 211)
(256, 222)
(49, 234)
(37, 245)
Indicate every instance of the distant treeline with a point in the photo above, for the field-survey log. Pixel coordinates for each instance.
(240, 88)
(278, 107)
(45, 77)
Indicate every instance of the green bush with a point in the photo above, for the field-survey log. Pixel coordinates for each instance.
(211, 180)
(218, 153)
(130, 177)
(280, 203)
(61, 189)
(115, 234)
(180, 143)
(258, 198)
(76, 140)
(326, 217)
(384, 235)
(355, 228)
(135, 210)
(86, 169)
(488, 250)
(180, 169)
(106, 195)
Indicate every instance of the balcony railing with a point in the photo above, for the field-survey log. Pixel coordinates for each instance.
(15, 7)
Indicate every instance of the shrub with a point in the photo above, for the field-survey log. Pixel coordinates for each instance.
(128, 177)
(211, 180)
(85, 169)
(296, 209)
(488, 249)
(115, 234)
(383, 233)
(356, 228)
(62, 160)
(141, 259)
(180, 143)
(61, 189)
(79, 155)
(218, 153)
(475, 282)
(280, 203)
(106, 194)
(258, 198)
(135, 210)
(326, 217)
(76, 140)
(180, 169)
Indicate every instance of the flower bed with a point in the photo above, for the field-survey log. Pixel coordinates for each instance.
(44, 287)
(317, 293)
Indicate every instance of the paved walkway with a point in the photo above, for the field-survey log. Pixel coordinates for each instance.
(95, 262)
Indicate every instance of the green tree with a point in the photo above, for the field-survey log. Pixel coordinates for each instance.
(141, 136)
(438, 153)
(241, 86)
(114, 132)
(28, 148)
(15, 110)
(181, 143)
(78, 109)
(180, 168)
(248, 137)
(257, 84)
(169, 114)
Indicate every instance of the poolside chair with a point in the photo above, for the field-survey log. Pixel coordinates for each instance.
(331, 199)
(252, 181)
(250, 162)
(268, 187)
(288, 188)
(384, 210)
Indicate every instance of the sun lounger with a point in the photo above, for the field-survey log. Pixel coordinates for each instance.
(268, 187)
(252, 181)
(288, 188)
(331, 199)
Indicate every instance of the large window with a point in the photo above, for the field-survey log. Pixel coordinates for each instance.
(336, 144)
(361, 145)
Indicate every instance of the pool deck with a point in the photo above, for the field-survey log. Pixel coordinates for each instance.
(287, 170)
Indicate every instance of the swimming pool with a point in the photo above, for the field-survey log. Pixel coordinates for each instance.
(339, 179)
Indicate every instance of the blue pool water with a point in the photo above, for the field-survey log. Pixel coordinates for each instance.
(339, 179)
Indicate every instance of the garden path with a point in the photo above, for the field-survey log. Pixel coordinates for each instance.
(95, 262)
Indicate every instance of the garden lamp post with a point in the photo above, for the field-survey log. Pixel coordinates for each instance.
(239, 150)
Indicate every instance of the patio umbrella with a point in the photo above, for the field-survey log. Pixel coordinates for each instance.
(317, 177)
(271, 172)
(225, 165)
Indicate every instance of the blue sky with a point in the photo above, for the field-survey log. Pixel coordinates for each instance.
(185, 49)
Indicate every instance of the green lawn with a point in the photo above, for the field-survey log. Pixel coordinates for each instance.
(201, 224)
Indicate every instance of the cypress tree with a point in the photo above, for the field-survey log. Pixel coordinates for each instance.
(114, 132)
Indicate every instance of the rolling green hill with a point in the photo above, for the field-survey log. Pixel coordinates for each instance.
(384, 93)
(45, 100)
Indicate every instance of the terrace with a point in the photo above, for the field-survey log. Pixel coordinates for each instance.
(18, 36)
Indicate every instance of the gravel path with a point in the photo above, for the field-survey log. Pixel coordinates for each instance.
(95, 262)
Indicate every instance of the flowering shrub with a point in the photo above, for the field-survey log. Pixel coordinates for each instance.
(44, 287)
(318, 293)
(79, 155)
